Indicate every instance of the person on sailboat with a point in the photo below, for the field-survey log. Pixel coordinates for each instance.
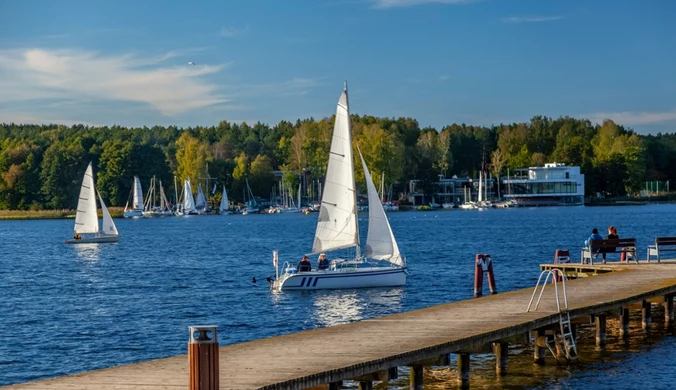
(304, 265)
(322, 262)
(77, 236)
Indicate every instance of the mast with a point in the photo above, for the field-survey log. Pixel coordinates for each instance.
(354, 184)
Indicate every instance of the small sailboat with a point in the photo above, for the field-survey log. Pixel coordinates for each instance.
(201, 201)
(224, 208)
(381, 264)
(150, 208)
(187, 207)
(86, 230)
(136, 197)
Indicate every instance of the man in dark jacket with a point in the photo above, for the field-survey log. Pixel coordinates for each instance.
(304, 265)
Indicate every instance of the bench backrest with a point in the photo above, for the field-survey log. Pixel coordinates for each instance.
(661, 241)
(619, 243)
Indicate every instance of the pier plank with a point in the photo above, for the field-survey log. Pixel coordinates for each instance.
(320, 356)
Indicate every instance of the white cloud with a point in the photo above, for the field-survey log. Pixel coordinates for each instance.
(27, 118)
(531, 19)
(230, 32)
(444, 77)
(32, 74)
(409, 3)
(630, 118)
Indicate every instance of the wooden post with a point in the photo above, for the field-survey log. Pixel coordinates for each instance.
(645, 312)
(539, 347)
(601, 330)
(416, 382)
(669, 309)
(203, 358)
(501, 351)
(463, 370)
(624, 322)
(365, 385)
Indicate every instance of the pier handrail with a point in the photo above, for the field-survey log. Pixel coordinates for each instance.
(547, 273)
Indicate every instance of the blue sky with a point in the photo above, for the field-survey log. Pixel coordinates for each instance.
(479, 62)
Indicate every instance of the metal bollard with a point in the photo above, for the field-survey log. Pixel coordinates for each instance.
(203, 358)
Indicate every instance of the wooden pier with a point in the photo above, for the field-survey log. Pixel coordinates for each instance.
(369, 350)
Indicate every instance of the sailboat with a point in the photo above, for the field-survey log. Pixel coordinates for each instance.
(201, 201)
(150, 209)
(136, 210)
(381, 264)
(224, 208)
(250, 206)
(86, 219)
(187, 207)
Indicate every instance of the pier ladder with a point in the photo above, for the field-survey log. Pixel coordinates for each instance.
(565, 340)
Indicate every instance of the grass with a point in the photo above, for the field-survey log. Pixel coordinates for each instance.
(115, 212)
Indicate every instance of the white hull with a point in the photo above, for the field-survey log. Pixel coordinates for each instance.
(342, 278)
(156, 214)
(133, 214)
(95, 239)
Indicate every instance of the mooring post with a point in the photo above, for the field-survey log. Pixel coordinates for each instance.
(501, 351)
(416, 382)
(624, 322)
(203, 358)
(479, 275)
(365, 385)
(669, 309)
(645, 312)
(539, 347)
(463, 370)
(601, 330)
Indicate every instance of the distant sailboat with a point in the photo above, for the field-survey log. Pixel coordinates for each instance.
(224, 208)
(201, 201)
(86, 228)
(136, 209)
(338, 227)
(150, 209)
(188, 205)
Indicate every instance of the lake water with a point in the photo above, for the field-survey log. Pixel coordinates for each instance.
(72, 308)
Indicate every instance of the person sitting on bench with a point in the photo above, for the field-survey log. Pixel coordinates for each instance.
(304, 265)
(612, 235)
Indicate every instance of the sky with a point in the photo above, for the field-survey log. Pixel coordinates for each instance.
(479, 62)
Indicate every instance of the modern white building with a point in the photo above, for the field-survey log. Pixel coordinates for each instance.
(555, 184)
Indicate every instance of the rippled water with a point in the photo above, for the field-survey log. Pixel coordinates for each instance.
(67, 309)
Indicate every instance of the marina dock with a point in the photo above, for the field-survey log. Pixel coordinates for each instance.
(372, 349)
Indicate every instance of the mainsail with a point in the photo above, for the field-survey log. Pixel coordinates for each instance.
(86, 220)
(201, 200)
(108, 224)
(337, 224)
(138, 194)
(188, 200)
(380, 242)
(224, 201)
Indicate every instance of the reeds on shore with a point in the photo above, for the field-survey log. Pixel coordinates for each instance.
(115, 212)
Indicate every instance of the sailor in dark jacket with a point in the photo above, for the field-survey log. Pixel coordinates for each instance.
(304, 265)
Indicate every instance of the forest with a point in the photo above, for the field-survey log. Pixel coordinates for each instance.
(41, 166)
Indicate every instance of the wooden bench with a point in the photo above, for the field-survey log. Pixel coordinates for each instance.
(662, 244)
(624, 246)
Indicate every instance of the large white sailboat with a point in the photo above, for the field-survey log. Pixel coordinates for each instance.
(136, 209)
(86, 230)
(381, 264)
(201, 202)
(224, 208)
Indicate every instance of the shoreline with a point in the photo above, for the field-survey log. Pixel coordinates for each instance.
(12, 215)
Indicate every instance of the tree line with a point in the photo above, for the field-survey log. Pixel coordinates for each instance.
(41, 166)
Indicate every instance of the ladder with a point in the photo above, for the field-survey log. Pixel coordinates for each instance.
(565, 340)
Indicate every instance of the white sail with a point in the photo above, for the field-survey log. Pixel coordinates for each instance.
(224, 201)
(108, 224)
(380, 242)
(337, 223)
(138, 194)
(480, 195)
(188, 200)
(299, 187)
(86, 220)
(201, 200)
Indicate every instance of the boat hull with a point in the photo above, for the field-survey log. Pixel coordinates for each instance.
(95, 240)
(344, 278)
(133, 214)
